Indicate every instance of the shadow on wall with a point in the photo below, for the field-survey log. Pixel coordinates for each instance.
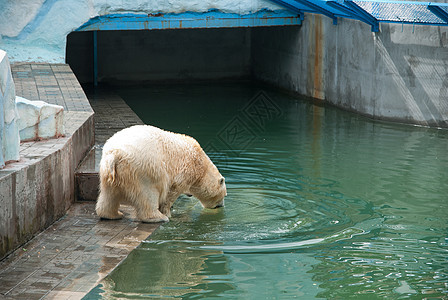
(159, 55)
(421, 75)
(394, 75)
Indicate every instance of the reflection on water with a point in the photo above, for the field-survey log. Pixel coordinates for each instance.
(321, 204)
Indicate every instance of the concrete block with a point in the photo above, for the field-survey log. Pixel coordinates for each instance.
(39, 120)
(87, 186)
(87, 180)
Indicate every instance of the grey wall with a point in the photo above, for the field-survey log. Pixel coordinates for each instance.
(79, 55)
(160, 55)
(398, 75)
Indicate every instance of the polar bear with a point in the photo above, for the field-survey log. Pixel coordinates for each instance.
(149, 168)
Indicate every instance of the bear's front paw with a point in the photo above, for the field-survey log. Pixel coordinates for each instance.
(156, 220)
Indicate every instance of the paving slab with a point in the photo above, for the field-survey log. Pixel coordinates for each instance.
(52, 83)
(69, 258)
(111, 113)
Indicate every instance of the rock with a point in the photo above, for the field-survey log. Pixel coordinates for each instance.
(9, 132)
(39, 120)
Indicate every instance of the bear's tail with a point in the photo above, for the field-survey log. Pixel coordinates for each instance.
(108, 171)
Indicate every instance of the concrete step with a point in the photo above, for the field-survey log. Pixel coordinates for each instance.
(86, 177)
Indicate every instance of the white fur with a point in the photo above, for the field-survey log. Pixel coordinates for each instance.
(149, 168)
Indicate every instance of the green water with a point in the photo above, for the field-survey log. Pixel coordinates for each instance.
(321, 203)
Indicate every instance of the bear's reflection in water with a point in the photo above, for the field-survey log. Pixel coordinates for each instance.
(168, 266)
(167, 269)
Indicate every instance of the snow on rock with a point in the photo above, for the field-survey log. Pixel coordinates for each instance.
(39, 120)
(36, 30)
(9, 133)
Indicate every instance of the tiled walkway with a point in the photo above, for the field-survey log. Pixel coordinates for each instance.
(75, 253)
(55, 84)
(111, 113)
(68, 259)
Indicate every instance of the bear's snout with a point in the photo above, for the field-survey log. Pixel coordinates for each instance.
(213, 204)
(221, 204)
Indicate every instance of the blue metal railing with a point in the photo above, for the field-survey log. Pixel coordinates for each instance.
(374, 12)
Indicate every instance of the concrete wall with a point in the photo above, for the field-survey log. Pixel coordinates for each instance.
(395, 74)
(37, 190)
(160, 55)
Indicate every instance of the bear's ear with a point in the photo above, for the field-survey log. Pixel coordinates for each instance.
(221, 181)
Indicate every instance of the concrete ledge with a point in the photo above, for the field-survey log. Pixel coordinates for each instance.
(39, 188)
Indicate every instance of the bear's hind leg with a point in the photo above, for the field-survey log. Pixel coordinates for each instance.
(108, 203)
(147, 206)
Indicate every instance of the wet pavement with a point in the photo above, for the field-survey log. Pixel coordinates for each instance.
(70, 257)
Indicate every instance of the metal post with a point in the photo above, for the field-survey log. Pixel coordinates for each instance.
(95, 58)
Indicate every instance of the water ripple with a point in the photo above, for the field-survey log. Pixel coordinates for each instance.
(321, 204)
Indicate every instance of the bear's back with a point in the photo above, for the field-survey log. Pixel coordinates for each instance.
(151, 145)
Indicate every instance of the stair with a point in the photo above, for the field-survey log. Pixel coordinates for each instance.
(86, 177)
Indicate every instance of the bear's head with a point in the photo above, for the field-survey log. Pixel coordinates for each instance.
(211, 188)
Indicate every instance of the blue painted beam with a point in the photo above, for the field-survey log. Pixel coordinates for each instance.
(210, 19)
(341, 8)
(292, 6)
(363, 15)
(319, 9)
(405, 2)
(438, 11)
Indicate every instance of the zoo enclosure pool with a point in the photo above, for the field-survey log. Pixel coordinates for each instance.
(321, 203)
